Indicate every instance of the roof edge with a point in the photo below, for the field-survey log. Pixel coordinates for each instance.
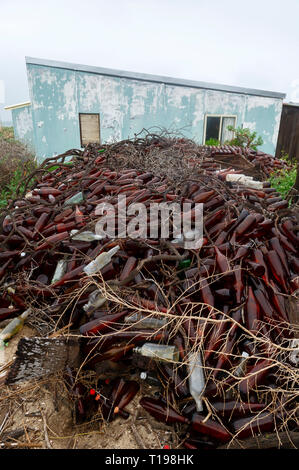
(153, 78)
(18, 105)
(295, 105)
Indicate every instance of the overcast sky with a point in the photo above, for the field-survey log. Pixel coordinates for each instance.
(253, 43)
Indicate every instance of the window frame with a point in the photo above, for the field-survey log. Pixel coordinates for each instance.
(221, 116)
(99, 121)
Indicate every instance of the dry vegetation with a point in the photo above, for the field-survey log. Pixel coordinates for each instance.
(16, 161)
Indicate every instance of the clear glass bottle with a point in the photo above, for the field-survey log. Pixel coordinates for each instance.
(100, 261)
(160, 352)
(95, 300)
(147, 322)
(13, 327)
(59, 271)
(86, 236)
(76, 199)
(196, 378)
(240, 370)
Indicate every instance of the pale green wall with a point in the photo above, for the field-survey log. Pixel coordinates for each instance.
(23, 126)
(126, 106)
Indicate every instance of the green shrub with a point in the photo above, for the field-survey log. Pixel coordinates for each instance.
(244, 138)
(212, 142)
(10, 189)
(284, 180)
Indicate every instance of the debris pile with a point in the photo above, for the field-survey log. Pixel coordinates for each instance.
(209, 328)
(265, 162)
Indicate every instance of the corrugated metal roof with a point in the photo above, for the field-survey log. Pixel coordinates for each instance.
(153, 78)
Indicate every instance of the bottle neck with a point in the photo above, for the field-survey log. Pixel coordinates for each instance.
(25, 314)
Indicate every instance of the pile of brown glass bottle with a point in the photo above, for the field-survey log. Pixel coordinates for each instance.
(265, 161)
(204, 321)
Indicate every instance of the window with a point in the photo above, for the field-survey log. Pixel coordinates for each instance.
(89, 128)
(216, 127)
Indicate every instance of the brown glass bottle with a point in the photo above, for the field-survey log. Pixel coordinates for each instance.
(252, 311)
(251, 425)
(3, 268)
(57, 237)
(107, 411)
(222, 261)
(175, 380)
(289, 229)
(259, 258)
(236, 409)
(206, 294)
(125, 394)
(210, 428)
(101, 324)
(277, 269)
(255, 268)
(244, 226)
(255, 376)
(69, 276)
(238, 284)
(115, 353)
(129, 266)
(217, 337)
(161, 411)
(225, 357)
(243, 250)
(263, 302)
(276, 246)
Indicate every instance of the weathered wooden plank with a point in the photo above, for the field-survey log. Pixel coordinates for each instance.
(89, 128)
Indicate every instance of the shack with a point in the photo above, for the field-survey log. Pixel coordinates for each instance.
(71, 105)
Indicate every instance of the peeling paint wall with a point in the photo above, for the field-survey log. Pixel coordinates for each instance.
(23, 126)
(23, 122)
(54, 107)
(126, 106)
(263, 116)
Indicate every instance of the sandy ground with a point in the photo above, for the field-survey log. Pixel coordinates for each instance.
(40, 415)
